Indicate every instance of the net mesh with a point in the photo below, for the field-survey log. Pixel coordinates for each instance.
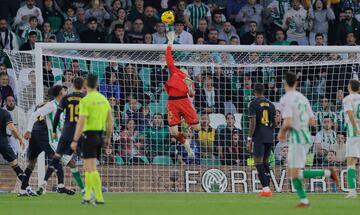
(145, 158)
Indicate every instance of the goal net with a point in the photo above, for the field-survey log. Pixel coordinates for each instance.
(145, 158)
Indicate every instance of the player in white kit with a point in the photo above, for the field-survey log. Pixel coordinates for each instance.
(298, 117)
(351, 105)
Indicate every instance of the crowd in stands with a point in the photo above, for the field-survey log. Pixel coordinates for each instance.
(139, 104)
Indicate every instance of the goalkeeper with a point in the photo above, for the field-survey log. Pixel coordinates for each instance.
(179, 87)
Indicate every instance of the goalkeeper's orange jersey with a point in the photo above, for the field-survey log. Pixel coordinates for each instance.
(175, 86)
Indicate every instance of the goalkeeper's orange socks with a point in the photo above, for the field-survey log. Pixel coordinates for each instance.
(180, 137)
(93, 183)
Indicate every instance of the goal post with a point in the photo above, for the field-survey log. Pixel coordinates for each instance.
(146, 159)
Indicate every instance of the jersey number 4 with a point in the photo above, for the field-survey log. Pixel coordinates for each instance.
(265, 118)
(74, 112)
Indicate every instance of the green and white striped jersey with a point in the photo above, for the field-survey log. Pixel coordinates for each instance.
(352, 103)
(296, 106)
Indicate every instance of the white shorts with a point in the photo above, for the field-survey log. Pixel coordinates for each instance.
(353, 147)
(65, 159)
(297, 155)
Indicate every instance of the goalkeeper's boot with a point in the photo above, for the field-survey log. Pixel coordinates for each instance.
(264, 194)
(65, 190)
(351, 195)
(188, 148)
(41, 189)
(334, 176)
(303, 205)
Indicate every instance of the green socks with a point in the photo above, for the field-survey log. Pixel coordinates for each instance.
(313, 173)
(77, 177)
(351, 177)
(96, 182)
(299, 188)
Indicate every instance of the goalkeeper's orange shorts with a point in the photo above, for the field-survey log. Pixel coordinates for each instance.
(181, 106)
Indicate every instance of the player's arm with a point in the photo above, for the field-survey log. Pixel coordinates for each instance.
(352, 119)
(78, 130)
(252, 125)
(287, 114)
(43, 111)
(16, 133)
(168, 54)
(109, 128)
(191, 87)
(61, 107)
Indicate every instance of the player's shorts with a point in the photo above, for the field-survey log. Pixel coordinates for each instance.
(182, 107)
(261, 149)
(38, 143)
(6, 151)
(353, 147)
(91, 144)
(297, 155)
(65, 140)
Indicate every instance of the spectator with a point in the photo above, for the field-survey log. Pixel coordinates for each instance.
(92, 34)
(324, 139)
(233, 7)
(159, 37)
(67, 35)
(48, 76)
(202, 30)
(206, 138)
(148, 38)
(225, 134)
(182, 155)
(208, 100)
(194, 12)
(249, 37)
(351, 39)
(121, 19)
(227, 33)
(251, 12)
(137, 12)
(98, 11)
(116, 114)
(77, 3)
(339, 148)
(213, 37)
(320, 17)
(218, 20)
(333, 27)
(131, 83)
(296, 23)
(24, 13)
(179, 10)
(157, 138)
(75, 68)
(119, 35)
(33, 23)
(29, 91)
(274, 16)
(70, 14)
(5, 89)
(280, 38)
(259, 39)
(150, 19)
(325, 111)
(331, 159)
(348, 25)
(47, 34)
(129, 145)
(80, 24)
(235, 151)
(113, 11)
(30, 44)
(339, 100)
(137, 34)
(234, 41)
(110, 86)
(319, 39)
(281, 159)
(68, 79)
(181, 36)
(8, 39)
(52, 15)
(133, 111)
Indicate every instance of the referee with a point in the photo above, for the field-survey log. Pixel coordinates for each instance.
(94, 118)
(261, 135)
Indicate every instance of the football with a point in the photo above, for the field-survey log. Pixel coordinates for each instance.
(168, 17)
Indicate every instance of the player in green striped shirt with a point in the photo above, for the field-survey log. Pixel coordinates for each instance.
(351, 105)
(298, 116)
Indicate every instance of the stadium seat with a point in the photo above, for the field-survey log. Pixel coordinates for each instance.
(162, 160)
(139, 160)
(210, 162)
(58, 63)
(98, 67)
(157, 108)
(238, 117)
(119, 161)
(229, 108)
(163, 98)
(144, 75)
(217, 119)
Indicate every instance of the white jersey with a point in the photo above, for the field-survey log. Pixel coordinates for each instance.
(296, 106)
(47, 113)
(352, 103)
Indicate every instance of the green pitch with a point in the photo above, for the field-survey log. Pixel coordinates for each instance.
(177, 204)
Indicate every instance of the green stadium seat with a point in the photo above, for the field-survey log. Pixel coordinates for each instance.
(98, 68)
(144, 74)
(162, 160)
(210, 162)
(119, 161)
(156, 108)
(139, 160)
(163, 98)
(58, 63)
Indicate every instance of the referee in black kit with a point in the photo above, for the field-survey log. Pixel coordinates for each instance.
(261, 135)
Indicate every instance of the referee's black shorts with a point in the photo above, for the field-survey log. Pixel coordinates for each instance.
(261, 149)
(91, 144)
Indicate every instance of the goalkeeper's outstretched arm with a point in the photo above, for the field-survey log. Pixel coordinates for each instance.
(169, 57)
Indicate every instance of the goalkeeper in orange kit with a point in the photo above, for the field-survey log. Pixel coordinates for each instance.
(179, 88)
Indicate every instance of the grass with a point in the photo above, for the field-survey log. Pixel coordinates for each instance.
(177, 203)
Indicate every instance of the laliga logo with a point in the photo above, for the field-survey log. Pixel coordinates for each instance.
(214, 181)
